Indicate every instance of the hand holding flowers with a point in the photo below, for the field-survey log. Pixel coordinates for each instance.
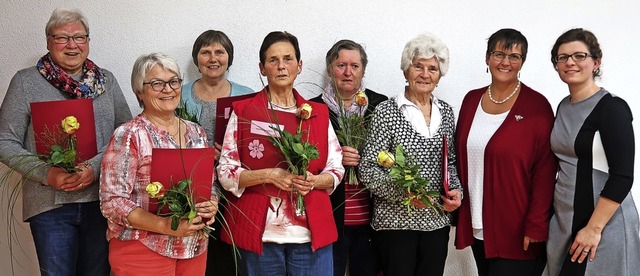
(407, 176)
(296, 152)
(352, 133)
(182, 207)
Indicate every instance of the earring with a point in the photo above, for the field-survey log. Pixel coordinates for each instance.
(518, 74)
(487, 69)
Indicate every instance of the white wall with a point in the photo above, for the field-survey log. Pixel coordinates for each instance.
(123, 30)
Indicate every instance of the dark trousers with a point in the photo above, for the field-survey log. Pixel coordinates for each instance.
(356, 246)
(407, 252)
(221, 258)
(500, 266)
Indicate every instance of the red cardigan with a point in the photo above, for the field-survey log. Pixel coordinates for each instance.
(519, 177)
(246, 215)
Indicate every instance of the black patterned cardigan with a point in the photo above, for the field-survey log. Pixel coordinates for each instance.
(388, 128)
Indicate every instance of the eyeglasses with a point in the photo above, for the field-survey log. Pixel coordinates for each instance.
(64, 39)
(577, 56)
(513, 58)
(158, 85)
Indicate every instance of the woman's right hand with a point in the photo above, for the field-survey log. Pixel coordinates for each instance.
(186, 228)
(281, 178)
(57, 177)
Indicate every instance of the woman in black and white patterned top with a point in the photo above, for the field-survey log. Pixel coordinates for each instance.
(413, 242)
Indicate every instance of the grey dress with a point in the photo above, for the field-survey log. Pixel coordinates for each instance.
(594, 142)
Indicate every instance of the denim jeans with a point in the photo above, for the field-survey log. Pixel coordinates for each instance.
(71, 240)
(287, 259)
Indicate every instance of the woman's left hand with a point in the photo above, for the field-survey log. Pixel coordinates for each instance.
(350, 156)
(86, 177)
(452, 200)
(305, 186)
(207, 210)
(585, 244)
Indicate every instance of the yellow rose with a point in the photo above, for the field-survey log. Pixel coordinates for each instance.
(155, 189)
(304, 111)
(386, 159)
(361, 98)
(70, 124)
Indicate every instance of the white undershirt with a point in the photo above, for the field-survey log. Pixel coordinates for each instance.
(413, 114)
(482, 129)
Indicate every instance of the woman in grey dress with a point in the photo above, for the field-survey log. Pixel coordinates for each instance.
(594, 230)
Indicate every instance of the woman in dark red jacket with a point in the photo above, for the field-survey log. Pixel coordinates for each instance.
(506, 166)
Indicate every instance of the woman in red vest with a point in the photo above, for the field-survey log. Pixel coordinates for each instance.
(272, 239)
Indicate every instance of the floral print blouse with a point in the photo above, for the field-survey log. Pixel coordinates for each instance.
(126, 171)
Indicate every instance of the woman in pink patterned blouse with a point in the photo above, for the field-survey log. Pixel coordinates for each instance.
(140, 242)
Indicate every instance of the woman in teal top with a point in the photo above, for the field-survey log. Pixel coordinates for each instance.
(213, 55)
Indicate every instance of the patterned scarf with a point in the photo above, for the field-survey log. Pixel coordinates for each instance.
(91, 85)
(330, 99)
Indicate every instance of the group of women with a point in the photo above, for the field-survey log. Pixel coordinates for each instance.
(526, 189)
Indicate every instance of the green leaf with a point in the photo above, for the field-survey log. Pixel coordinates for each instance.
(297, 148)
(184, 184)
(400, 157)
(56, 148)
(175, 207)
(174, 223)
(57, 157)
(192, 215)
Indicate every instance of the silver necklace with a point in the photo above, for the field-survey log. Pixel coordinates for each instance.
(505, 99)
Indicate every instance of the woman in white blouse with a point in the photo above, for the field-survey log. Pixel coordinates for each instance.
(413, 242)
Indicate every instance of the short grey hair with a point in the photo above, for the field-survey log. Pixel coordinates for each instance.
(345, 44)
(145, 63)
(425, 45)
(65, 16)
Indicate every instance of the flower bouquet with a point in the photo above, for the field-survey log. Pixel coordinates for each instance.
(406, 175)
(352, 131)
(60, 147)
(296, 151)
(179, 200)
(63, 145)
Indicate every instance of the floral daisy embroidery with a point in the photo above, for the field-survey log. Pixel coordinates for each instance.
(256, 149)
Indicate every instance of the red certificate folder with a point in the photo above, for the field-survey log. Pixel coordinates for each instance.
(445, 164)
(223, 112)
(47, 118)
(168, 166)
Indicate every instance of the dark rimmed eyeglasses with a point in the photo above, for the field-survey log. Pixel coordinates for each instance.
(500, 55)
(64, 39)
(159, 85)
(577, 56)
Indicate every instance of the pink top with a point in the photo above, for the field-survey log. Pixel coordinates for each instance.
(125, 173)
